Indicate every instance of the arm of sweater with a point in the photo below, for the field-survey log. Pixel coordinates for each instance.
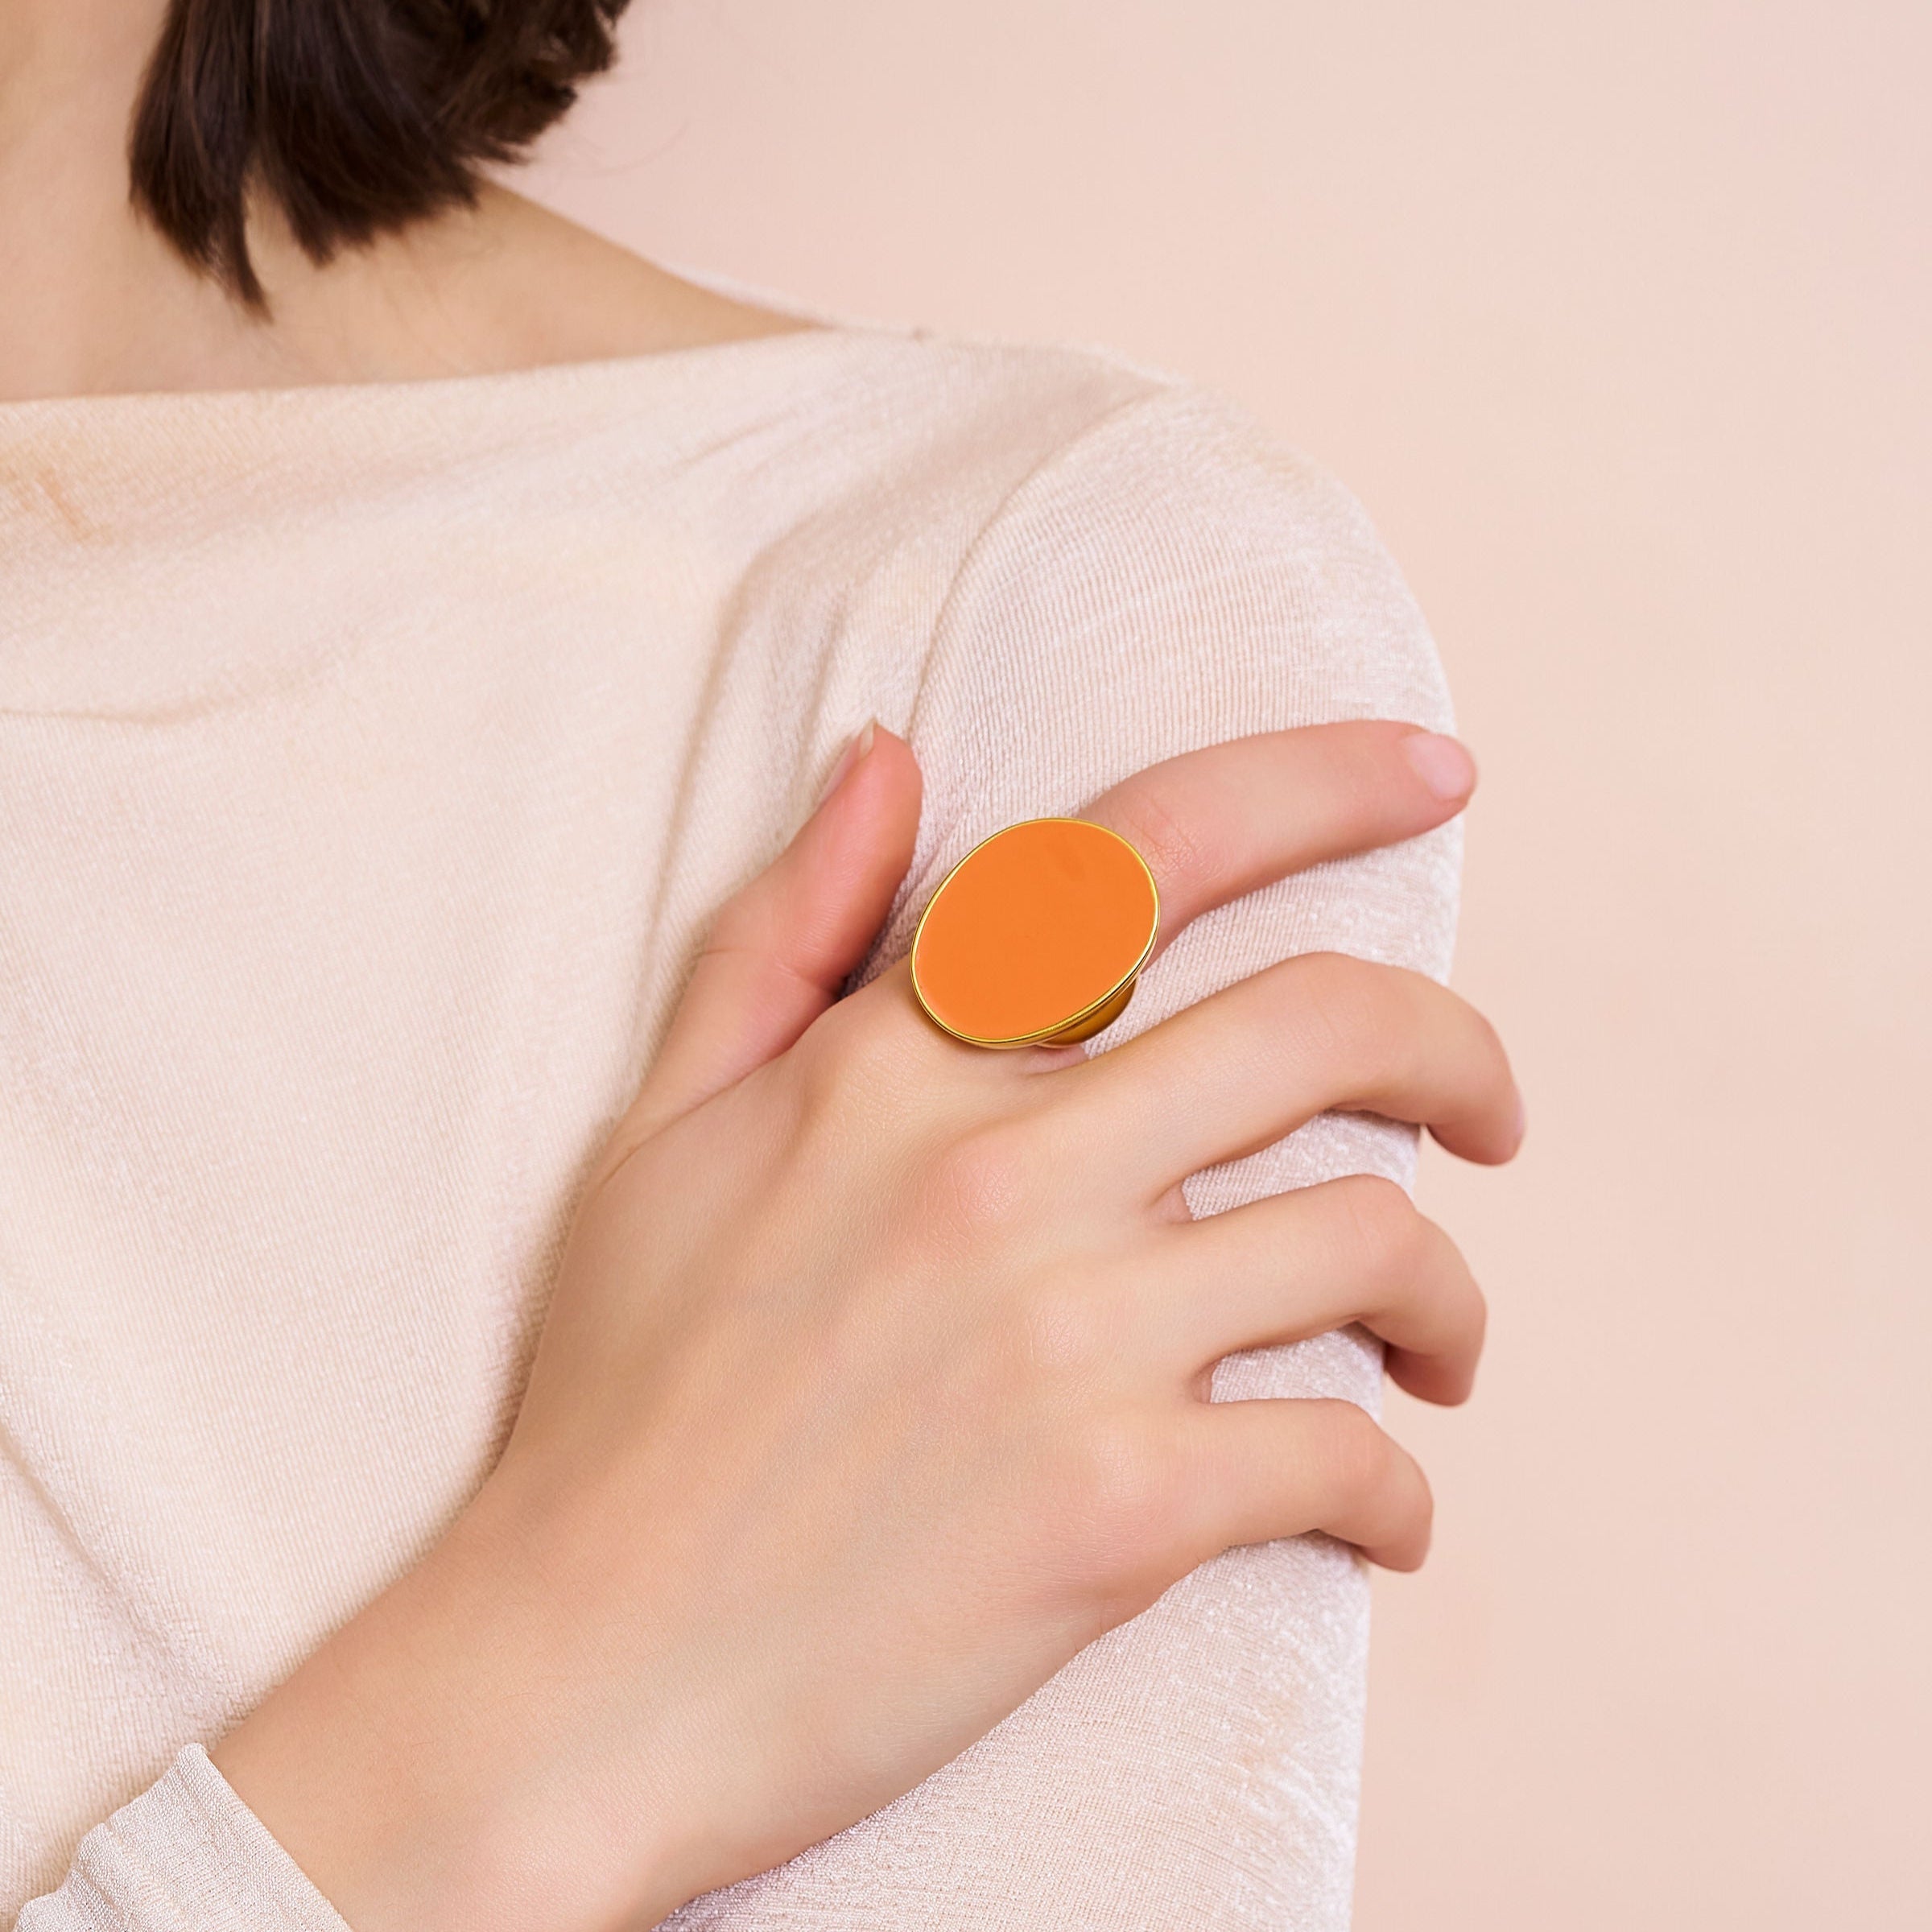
(1168, 580)
(187, 1856)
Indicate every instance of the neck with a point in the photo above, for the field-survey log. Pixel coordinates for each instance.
(91, 292)
(93, 299)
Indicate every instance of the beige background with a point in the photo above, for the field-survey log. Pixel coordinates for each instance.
(1617, 318)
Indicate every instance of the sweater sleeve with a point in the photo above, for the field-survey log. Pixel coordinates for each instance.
(187, 1856)
(1169, 578)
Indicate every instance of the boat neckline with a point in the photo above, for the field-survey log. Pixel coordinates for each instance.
(582, 368)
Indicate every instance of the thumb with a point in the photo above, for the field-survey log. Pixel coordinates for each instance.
(782, 947)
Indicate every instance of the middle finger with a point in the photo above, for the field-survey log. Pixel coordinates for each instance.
(1247, 1065)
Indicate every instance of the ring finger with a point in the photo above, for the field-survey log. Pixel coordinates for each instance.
(1282, 1466)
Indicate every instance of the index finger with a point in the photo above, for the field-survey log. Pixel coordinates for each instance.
(1215, 824)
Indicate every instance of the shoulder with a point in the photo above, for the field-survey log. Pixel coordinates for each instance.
(1047, 566)
(1018, 504)
(1183, 543)
(1132, 548)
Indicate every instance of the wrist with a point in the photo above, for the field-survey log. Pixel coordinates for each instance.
(426, 1771)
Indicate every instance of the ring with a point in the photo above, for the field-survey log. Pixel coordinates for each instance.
(1037, 937)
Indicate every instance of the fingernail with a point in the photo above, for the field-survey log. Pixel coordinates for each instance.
(1522, 1117)
(856, 748)
(1441, 764)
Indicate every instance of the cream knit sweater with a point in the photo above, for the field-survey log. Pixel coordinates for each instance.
(370, 761)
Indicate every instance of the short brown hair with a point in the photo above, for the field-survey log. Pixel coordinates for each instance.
(358, 116)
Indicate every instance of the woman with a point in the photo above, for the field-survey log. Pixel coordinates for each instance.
(550, 1499)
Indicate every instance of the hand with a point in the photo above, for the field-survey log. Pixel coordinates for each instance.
(873, 1388)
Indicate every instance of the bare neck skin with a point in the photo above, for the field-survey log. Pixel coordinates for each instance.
(94, 300)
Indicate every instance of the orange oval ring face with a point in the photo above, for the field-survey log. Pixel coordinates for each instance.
(1039, 930)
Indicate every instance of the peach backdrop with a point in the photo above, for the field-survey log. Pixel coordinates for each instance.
(1617, 317)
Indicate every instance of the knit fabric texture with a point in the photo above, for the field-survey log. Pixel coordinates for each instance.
(371, 760)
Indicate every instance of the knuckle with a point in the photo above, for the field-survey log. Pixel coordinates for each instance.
(1355, 1458)
(1488, 1040)
(1419, 1513)
(1345, 1004)
(821, 1052)
(1498, 1075)
(1121, 1504)
(982, 1180)
(862, 1028)
(1384, 1234)
(739, 922)
(1180, 851)
(1480, 1059)
(1474, 1320)
(856, 1050)
(1471, 1305)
